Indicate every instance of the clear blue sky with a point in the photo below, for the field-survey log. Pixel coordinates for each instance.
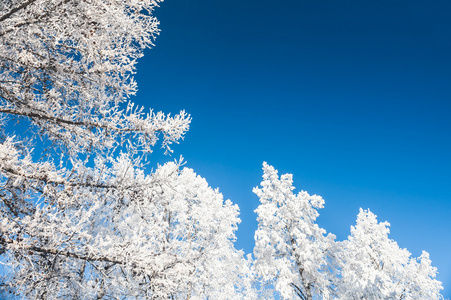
(352, 97)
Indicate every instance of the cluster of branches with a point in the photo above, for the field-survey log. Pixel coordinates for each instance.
(81, 217)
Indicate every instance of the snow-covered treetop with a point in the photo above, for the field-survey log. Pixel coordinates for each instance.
(291, 250)
(373, 266)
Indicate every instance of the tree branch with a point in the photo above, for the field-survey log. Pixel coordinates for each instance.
(42, 116)
(16, 9)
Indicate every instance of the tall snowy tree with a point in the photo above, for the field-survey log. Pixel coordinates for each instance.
(291, 250)
(81, 218)
(373, 266)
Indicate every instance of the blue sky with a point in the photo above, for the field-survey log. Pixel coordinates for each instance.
(351, 97)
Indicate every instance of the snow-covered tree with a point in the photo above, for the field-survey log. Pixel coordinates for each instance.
(375, 267)
(81, 217)
(163, 235)
(291, 251)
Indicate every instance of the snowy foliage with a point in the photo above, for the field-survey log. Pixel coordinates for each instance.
(68, 64)
(156, 236)
(80, 215)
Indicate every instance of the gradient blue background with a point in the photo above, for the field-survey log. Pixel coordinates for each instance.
(352, 97)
